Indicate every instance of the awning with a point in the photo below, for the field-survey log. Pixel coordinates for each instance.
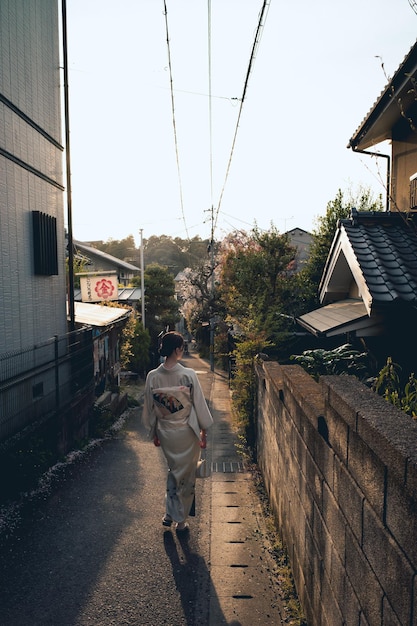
(98, 315)
(344, 316)
(126, 294)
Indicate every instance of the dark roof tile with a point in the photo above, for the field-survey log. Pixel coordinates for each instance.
(376, 289)
(389, 264)
(399, 280)
(375, 280)
(365, 256)
(386, 256)
(385, 246)
(384, 298)
(395, 272)
(373, 272)
(404, 289)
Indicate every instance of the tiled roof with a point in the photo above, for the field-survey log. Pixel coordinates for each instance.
(89, 250)
(385, 246)
(397, 97)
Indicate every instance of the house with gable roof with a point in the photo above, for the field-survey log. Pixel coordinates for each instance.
(97, 260)
(301, 240)
(369, 284)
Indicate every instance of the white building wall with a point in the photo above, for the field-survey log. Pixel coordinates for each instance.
(32, 308)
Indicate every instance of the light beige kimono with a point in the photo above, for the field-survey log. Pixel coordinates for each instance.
(175, 411)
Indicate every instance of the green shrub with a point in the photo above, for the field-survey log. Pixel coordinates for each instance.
(388, 384)
(342, 360)
(101, 418)
(243, 384)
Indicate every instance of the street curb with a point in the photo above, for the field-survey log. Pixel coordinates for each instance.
(244, 587)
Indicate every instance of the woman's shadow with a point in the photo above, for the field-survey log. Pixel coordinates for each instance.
(192, 580)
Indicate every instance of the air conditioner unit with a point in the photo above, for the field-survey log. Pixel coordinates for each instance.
(413, 192)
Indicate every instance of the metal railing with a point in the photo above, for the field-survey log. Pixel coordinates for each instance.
(42, 380)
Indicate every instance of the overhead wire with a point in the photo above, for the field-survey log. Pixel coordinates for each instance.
(237, 219)
(205, 95)
(262, 18)
(210, 101)
(258, 33)
(413, 5)
(174, 121)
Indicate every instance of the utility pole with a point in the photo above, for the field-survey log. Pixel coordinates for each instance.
(212, 292)
(71, 304)
(142, 278)
(211, 191)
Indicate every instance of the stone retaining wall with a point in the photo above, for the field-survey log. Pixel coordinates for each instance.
(340, 467)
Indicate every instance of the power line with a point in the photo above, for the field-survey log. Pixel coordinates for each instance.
(413, 5)
(205, 95)
(173, 119)
(261, 22)
(211, 189)
(210, 101)
(237, 219)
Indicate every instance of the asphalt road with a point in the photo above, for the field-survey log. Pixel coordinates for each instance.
(95, 552)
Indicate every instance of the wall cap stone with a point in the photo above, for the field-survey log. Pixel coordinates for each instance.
(388, 431)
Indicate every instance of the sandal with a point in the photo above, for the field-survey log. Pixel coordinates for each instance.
(181, 526)
(166, 521)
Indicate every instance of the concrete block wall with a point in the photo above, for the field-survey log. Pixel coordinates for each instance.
(340, 467)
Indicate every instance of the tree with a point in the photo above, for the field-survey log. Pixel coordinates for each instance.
(134, 341)
(175, 254)
(141, 342)
(198, 301)
(337, 209)
(79, 265)
(256, 271)
(166, 252)
(121, 249)
(162, 308)
(201, 302)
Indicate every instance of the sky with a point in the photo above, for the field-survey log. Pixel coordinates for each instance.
(318, 69)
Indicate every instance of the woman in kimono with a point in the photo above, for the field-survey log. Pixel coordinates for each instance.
(178, 417)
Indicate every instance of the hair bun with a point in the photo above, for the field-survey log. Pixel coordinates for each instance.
(169, 342)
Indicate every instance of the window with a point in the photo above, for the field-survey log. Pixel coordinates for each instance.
(37, 391)
(413, 192)
(44, 244)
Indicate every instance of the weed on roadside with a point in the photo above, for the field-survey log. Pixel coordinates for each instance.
(278, 552)
(274, 545)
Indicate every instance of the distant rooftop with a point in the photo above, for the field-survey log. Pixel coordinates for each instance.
(87, 249)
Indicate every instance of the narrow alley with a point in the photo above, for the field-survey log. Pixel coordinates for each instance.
(95, 552)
